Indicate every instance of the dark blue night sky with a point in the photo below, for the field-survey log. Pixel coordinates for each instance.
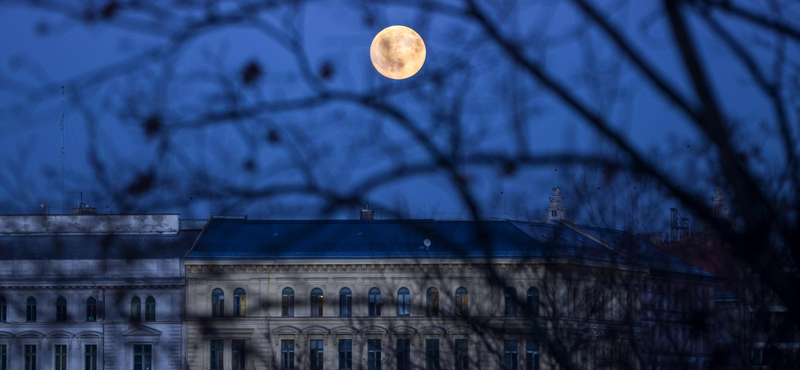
(42, 50)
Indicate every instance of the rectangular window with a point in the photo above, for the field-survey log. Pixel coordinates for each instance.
(431, 354)
(3, 357)
(30, 357)
(531, 355)
(217, 350)
(345, 354)
(142, 357)
(90, 357)
(462, 354)
(287, 354)
(2, 310)
(61, 312)
(30, 313)
(510, 355)
(373, 354)
(316, 353)
(61, 357)
(150, 310)
(238, 354)
(404, 354)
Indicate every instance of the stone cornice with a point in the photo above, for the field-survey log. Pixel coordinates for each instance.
(197, 267)
(236, 267)
(45, 284)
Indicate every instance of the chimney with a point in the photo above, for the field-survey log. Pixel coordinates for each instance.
(556, 211)
(719, 204)
(367, 214)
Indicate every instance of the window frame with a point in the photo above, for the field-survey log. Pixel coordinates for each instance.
(373, 354)
(90, 357)
(3, 309)
(510, 299)
(30, 355)
(287, 302)
(59, 357)
(3, 356)
(216, 354)
(345, 354)
(533, 302)
(61, 309)
(533, 355)
(217, 302)
(150, 308)
(432, 302)
(432, 354)
(461, 359)
(462, 301)
(238, 355)
(30, 309)
(317, 303)
(91, 309)
(146, 357)
(345, 302)
(316, 355)
(510, 354)
(136, 308)
(240, 302)
(403, 354)
(287, 354)
(404, 302)
(374, 302)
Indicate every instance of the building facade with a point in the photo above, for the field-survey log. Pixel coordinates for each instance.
(90, 291)
(427, 294)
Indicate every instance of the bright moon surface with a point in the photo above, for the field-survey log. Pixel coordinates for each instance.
(397, 52)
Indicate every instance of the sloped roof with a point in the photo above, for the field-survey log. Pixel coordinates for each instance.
(238, 239)
(96, 246)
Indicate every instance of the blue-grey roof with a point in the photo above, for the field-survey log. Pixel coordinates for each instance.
(235, 239)
(96, 246)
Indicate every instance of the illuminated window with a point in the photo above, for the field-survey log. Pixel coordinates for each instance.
(432, 307)
(316, 302)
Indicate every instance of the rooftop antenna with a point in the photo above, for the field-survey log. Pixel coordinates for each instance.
(63, 114)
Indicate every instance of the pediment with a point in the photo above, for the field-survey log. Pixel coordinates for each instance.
(138, 331)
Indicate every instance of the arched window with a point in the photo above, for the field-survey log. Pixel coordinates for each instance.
(374, 302)
(288, 302)
(3, 309)
(91, 309)
(30, 311)
(316, 302)
(217, 303)
(150, 309)
(432, 307)
(403, 302)
(511, 301)
(345, 302)
(239, 303)
(136, 308)
(462, 301)
(533, 302)
(61, 309)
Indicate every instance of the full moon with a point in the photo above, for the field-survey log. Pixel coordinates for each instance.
(397, 52)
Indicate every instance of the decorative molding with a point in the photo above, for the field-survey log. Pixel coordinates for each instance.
(351, 267)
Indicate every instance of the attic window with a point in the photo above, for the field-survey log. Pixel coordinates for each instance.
(360, 233)
(274, 234)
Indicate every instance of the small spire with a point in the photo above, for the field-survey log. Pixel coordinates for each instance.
(719, 204)
(556, 211)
